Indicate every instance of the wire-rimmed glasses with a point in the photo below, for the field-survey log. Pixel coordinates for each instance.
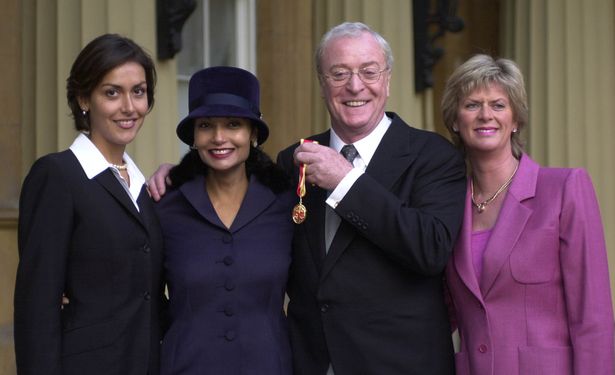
(340, 77)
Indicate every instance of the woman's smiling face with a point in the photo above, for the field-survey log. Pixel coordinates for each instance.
(485, 120)
(223, 142)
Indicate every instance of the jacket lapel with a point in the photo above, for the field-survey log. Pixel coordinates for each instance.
(462, 254)
(395, 153)
(257, 199)
(314, 201)
(392, 157)
(344, 235)
(314, 224)
(194, 191)
(511, 222)
(108, 181)
(146, 208)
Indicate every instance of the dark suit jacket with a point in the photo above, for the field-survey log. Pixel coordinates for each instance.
(374, 304)
(85, 238)
(226, 286)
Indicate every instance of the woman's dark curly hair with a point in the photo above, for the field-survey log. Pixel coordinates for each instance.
(258, 164)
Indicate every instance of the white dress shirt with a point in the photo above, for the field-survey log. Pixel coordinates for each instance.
(93, 163)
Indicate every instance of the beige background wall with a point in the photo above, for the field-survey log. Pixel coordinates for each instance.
(10, 172)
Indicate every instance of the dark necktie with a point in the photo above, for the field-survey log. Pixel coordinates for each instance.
(349, 152)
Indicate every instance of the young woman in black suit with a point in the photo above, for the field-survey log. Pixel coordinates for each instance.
(87, 229)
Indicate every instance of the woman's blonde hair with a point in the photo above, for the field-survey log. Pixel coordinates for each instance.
(480, 71)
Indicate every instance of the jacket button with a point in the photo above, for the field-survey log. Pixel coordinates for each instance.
(147, 296)
(324, 308)
(230, 335)
(227, 238)
(146, 249)
(228, 260)
(228, 311)
(482, 348)
(229, 285)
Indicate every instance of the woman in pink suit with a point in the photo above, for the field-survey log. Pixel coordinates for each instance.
(528, 278)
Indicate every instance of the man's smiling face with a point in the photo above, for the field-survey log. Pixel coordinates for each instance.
(355, 107)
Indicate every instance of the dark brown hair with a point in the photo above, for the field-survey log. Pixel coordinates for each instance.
(258, 164)
(95, 60)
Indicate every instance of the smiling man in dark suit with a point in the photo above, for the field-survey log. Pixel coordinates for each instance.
(365, 285)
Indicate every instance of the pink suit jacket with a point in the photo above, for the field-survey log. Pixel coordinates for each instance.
(543, 303)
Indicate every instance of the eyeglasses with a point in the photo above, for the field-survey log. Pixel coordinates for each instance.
(340, 77)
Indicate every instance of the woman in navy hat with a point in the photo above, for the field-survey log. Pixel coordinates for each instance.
(227, 235)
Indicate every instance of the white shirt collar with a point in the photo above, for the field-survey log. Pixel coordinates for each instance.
(93, 162)
(365, 146)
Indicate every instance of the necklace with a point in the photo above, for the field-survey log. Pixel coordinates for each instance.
(483, 205)
(122, 167)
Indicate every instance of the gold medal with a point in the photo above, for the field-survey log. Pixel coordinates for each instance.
(299, 211)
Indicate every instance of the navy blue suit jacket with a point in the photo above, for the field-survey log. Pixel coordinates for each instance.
(85, 238)
(226, 285)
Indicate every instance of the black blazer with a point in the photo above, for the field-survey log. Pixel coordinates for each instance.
(374, 304)
(85, 238)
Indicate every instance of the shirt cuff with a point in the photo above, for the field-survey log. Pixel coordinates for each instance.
(343, 187)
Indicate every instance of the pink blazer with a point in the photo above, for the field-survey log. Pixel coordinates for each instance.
(543, 303)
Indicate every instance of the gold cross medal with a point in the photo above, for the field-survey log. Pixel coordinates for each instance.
(299, 211)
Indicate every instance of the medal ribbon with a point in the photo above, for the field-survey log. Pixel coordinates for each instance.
(302, 169)
(301, 183)
(299, 211)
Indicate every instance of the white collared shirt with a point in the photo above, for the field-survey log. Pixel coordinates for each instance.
(366, 147)
(93, 163)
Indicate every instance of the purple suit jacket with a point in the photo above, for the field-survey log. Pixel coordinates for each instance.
(543, 302)
(226, 285)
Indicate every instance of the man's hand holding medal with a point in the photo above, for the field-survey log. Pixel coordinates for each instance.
(318, 165)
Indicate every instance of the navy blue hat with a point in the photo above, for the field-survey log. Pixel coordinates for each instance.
(223, 91)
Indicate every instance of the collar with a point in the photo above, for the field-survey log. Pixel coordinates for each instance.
(366, 146)
(524, 183)
(93, 162)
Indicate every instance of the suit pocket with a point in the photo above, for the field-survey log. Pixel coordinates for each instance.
(535, 257)
(91, 337)
(542, 361)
